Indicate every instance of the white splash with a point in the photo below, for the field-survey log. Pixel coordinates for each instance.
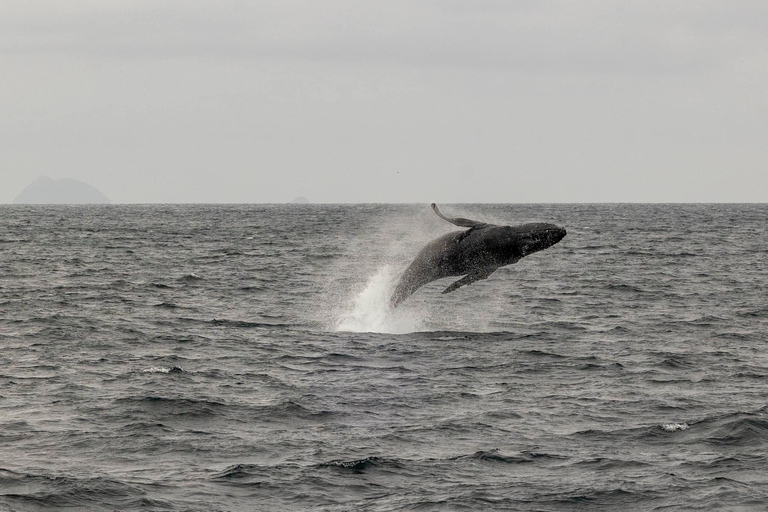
(369, 310)
(156, 369)
(674, 427)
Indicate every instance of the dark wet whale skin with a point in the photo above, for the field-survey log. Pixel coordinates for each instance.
(476, 252)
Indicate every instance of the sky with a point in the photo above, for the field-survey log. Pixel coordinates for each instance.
(411, 101)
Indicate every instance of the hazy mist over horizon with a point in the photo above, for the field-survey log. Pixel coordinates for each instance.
(388, 102)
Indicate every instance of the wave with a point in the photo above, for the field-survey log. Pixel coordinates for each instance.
(239, 324)
(608, 463)
(751, 375)
(242, 472)
(543, 353)
(169, 305)
(145, 427)
(735, 335)
(171, 369)
(627, 288)
(252, 288)
(754, 313)
(173, 406)
(181, 338)
(58, 491)
(361, 465)
(616, 498)
(675, 363)
(190, 278)
(243, 324)
(157, 407)
(495, 456)
(738, 430)
(674, 427)
(741, 432)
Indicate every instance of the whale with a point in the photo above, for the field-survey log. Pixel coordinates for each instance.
(473, 253)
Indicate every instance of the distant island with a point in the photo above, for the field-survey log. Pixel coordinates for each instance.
(45, 190)
(301, 200)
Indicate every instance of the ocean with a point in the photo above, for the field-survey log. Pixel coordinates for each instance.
(243, 357)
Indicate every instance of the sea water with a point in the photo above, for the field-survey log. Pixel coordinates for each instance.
(244, 357)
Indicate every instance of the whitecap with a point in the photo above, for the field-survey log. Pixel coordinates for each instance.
(160, 369)
(156, 369)
(674, 427)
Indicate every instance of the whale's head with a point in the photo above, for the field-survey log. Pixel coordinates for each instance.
(519, 241)
(539, 236)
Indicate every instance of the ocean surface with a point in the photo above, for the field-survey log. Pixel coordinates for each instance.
(222, 357)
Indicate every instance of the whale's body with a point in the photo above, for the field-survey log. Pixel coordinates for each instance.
(474, 253)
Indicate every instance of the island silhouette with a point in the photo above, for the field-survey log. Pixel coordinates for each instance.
(45, 190)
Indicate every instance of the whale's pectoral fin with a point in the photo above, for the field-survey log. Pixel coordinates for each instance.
(470, 278)
(464, 223)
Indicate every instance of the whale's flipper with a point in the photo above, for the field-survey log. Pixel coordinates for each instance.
(477, 275)
(464, 223)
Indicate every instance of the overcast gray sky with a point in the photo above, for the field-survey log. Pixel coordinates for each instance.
(387, 101)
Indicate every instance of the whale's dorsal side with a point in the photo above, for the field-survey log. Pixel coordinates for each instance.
(473, 253)
(464, 223)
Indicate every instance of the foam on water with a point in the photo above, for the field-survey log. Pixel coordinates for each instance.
(369, 309)
(159, 369)
(674, 427)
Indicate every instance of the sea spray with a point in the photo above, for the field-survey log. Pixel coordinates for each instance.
(356, 286)
(369, 309)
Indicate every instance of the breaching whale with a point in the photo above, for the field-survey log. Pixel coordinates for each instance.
(474, 253)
